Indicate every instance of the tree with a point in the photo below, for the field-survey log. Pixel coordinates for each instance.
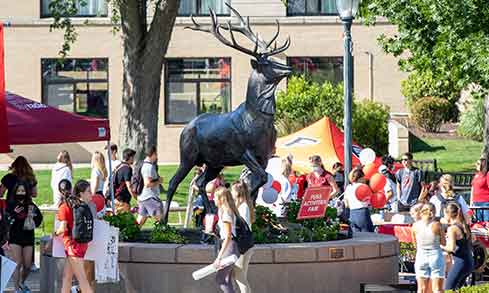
(144, 49)
(449, 39)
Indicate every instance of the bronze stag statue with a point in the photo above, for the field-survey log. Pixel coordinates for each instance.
(245, 136)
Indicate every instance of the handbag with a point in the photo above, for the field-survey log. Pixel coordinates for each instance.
(29, 223)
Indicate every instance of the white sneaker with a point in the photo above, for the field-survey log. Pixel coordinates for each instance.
(74, 289)
(34, 268)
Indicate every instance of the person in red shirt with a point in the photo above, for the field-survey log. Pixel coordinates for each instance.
(320, 177)
(75, 252)
(480, 190)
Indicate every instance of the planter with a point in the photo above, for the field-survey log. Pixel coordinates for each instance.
(335, 266)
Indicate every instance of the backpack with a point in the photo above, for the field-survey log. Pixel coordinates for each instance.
(444, 202)
(137, 180)
(244, 236)
(117, 188)
(82, 222)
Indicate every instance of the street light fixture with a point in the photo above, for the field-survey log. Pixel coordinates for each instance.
(347, 10)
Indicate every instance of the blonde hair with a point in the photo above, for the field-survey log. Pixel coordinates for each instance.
(286, 168)
(98, 163)
(446, 185)
(428, 209)
(240, 193)
(226, 198)
(64, 157)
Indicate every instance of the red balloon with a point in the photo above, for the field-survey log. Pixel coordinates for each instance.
(363, 192)
(276, 185)
(377, 182)
(369, 170)
(378, 200)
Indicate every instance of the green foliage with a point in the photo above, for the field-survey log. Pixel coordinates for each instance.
(370, 127)
(472, 289)
(445, 41)
(472, 120)
(429, 113)
(266, 227)
(163, 233)
(306, 102)
(126, 222)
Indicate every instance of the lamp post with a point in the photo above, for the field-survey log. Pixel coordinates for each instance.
(347, 9)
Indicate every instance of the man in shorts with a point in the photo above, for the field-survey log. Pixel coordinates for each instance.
(123, 190)
(149, 202)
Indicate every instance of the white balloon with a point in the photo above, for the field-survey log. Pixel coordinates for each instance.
(269, 195)
(367, 156)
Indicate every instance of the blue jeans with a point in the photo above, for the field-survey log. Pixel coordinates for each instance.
(460, 270)
(482, 215)
(361, 221)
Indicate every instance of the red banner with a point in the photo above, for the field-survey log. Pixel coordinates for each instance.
(4, 143)
(314, 203)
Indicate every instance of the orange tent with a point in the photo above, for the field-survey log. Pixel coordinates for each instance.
(322, 138)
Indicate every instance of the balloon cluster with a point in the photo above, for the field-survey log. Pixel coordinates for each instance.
(374, 192)
(271, 189)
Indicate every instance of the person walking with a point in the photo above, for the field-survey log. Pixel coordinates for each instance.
(99, 174)
(227, 212)
(75, 252)
(63, 169)
(445, 195)
(479, 195)
(359, 210)
(114, 161)
(123, 189)
(149, 202)
(23, 217)
(429, 265)
(458, 246)
(409, 183)
(246, 209)
(19, 170)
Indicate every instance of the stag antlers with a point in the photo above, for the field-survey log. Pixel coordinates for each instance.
(245, 29)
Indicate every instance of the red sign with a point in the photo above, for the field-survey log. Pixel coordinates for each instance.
(314, 203)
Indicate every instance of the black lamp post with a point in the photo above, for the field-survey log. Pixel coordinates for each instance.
(347, 9)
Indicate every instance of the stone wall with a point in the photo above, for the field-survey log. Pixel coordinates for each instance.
(336, 266)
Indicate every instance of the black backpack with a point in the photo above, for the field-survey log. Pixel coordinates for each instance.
(244, 236)
(82, 222)
(444, 202)
(137, 180)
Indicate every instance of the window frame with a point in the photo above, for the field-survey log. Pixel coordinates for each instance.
(198, 4)
(45, 99)
(48, 15)
(306, 13)
(342, 58)
(196, 81)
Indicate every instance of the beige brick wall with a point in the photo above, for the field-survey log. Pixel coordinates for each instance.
(28, 40)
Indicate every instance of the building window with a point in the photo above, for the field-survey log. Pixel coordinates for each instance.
(201, 7)
(195, 86)
(318, 69)
(76, 85)
(91, 8)
(311, 7)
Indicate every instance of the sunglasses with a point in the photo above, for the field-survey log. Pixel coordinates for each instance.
(404, 159)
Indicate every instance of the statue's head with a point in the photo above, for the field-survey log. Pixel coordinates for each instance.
(267, 71)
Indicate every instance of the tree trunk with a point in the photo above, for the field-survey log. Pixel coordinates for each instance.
(144, 54)
(485, 151)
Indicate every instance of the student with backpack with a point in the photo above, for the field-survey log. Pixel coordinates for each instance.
(446, 195)
(246, 210)
(228, 213)
(76, 227)
(123, 184)
(23, 218)
(147, 184)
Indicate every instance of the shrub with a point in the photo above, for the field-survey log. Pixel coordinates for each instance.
(472, 119)
(126, 222)
(305, 102)
(430, 112)
(164, 233)
(370, 127)
(473, 289)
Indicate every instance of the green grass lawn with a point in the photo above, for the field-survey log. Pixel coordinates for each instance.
(45, 194)
(452, 155)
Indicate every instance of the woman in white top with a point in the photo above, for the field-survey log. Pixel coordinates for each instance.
(242, 198)
(359, 210)
(99, 173)
(63, 169)
(445, 195)
(227, 228)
